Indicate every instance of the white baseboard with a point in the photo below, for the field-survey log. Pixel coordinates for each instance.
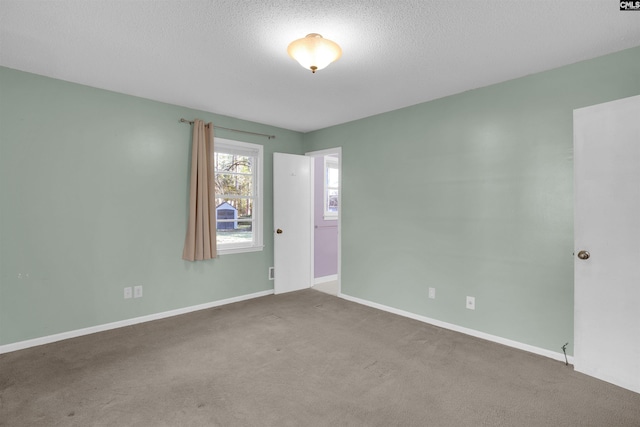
(7, 348)
(504, 341)
(325, 279)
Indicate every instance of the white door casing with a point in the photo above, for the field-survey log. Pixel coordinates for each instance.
(337, 151)
(607, 225)
(292, 217)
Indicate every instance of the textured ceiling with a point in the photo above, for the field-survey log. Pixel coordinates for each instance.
(229, 56)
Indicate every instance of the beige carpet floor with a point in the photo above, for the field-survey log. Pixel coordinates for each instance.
(299, 359)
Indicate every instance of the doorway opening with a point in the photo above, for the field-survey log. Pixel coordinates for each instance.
(326, 173)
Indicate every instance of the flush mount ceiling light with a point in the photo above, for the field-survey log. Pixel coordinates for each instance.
(314, 52)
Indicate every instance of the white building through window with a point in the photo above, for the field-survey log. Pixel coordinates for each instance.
(238, 194)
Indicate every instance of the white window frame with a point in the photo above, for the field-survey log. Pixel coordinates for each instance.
(334, 163)
(221, 145)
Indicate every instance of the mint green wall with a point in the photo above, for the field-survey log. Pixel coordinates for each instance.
(93, 198)
(93, 195)
(483, 183)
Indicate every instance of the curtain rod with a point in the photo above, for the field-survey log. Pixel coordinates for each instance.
(233, 130)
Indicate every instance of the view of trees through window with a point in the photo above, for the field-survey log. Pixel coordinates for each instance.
(331, 187)
(234, 182)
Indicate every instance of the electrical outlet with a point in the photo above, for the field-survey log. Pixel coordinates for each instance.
(432, 293)
(128, 293)
(272, 272)
(471, 303)
(137, 291)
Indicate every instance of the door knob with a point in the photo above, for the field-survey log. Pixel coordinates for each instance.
(584, 255)
(279, 231)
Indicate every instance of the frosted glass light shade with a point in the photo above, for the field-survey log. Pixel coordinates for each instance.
(314, 52)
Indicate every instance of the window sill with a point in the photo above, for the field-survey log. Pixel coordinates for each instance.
(230, 251)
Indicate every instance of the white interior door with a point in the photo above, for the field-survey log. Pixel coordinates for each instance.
(292, 222)
(607, 226)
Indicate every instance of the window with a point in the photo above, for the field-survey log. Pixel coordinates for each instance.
(331, 187)
(238, 191)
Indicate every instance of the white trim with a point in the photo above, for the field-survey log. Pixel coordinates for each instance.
(494, 338)
(230, 251)
(7, 348)
(325, 279)
(222, 145)
(326, 151)
(336, 151)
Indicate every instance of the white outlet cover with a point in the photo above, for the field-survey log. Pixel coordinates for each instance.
(128, 293)
(432, 293)
(137, 291)
(471, 303)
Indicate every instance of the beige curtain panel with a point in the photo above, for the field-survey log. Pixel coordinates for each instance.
(200, 242)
